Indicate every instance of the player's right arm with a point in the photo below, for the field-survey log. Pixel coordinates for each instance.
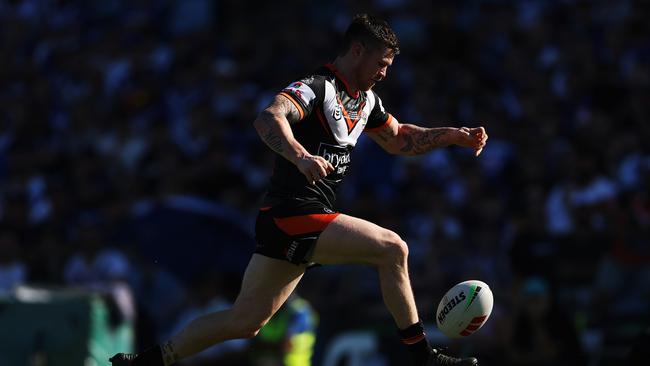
(274, 128)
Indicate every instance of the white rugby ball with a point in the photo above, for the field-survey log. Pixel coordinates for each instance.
(464, 309)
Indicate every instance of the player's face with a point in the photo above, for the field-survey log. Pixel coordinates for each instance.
(373, 66)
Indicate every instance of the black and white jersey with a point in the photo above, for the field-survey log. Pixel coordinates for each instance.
(332, 119)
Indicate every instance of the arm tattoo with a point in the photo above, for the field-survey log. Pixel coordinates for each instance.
(384, 135)
(289, 110)
(273, 141)
(408, 144)
(271, 127)
(421, 140)
(268, 134)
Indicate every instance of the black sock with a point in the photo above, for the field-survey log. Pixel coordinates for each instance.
(150, 357)
(416, 341)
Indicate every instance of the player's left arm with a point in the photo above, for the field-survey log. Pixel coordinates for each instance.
(407, 139)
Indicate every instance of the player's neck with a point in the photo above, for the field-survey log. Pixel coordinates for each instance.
(344, 68)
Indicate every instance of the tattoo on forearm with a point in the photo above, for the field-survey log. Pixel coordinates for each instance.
(170, 356)
(270, 127)
(274, 141)
(423, 140)
(430, 139)
(268, 133)
(408, 144)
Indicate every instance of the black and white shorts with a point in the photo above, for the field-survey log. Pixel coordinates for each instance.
(289, 231)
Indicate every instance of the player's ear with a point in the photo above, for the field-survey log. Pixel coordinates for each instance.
(356, 48)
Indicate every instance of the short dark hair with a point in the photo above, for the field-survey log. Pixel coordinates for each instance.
(372, 32)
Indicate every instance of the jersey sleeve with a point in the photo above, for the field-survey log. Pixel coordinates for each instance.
(305, 94)
(378, 117)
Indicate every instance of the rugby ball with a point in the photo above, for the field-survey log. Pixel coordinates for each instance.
(464, 309)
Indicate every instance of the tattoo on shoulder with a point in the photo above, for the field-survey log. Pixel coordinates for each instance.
(384, 135)
(290, 111)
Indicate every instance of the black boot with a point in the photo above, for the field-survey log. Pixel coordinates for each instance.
(437, 358)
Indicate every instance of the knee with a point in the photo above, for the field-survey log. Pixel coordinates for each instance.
(394, 249)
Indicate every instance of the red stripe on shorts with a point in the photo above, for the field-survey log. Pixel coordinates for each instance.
(303, 224)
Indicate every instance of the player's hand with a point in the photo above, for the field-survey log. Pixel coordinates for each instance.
(314, 167)
(474, 138)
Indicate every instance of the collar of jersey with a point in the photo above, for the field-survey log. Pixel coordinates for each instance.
(330, 66)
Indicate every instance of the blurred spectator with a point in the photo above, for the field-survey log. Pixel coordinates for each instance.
(542, 333)
(13, 270)
(99, 268)
(288, 339)
(212, 293)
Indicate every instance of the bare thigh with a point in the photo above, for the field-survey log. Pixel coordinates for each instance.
(348, 239)
(267, 284)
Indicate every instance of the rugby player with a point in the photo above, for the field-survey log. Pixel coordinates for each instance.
(313, 125)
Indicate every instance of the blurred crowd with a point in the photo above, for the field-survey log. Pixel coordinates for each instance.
(128, 160)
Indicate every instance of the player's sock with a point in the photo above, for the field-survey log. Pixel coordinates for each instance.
(416, 341)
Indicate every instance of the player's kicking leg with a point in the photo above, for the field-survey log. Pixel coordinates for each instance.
(266, 285)
(351, 240)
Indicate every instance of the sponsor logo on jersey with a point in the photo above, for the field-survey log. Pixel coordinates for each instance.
(450, 304)
(338, 156)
